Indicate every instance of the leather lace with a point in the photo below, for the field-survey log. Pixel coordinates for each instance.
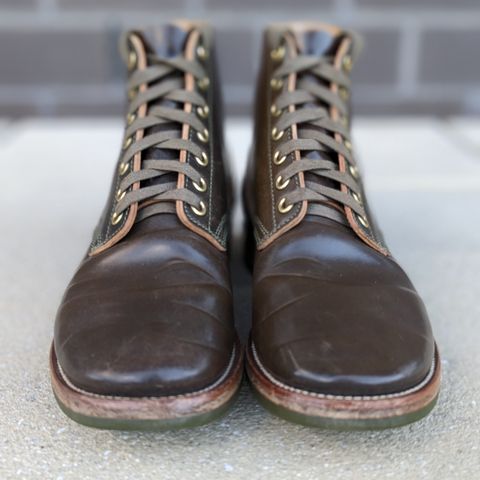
(316, 131)
(166, 86)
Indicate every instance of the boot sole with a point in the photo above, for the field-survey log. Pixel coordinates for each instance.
(148, 413)
(343, 412)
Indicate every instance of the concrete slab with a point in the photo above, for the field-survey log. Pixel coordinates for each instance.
(57, 175)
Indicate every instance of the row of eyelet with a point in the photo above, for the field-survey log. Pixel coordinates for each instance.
(277, 55)
(204, 136)
(123, 167)
(347, 64)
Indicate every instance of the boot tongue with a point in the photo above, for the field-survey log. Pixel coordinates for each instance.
(318, 42)
(165, 42)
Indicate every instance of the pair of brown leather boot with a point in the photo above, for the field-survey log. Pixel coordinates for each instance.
(145, 337)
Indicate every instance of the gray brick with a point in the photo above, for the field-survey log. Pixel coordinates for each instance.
(377, 63)
(90, 109)
(273, 5)
(18, 110)
(122, 4)
(415, 4)
(56, 57)
(450, 56)
(415, 106)
(234, 52)
(18, 4)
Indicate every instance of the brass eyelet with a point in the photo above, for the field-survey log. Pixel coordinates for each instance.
(278, 53)
(203, 136)
(128, 141)
(353, 171)
(277, 159)
(132, 93)
(275, 111)
(344, 94)
(203, 111)
(348, 145)
(203, 160)
(120, 194)
(280, 183)
(202, 186)
(202, 52)
(123, 168)
(363, 221)
(277, 134)
(347, 63)
(132, 60)
(203, 83)
(131, 117)
(357, 197)
(282, 207)
(201, 211)
(276, 83)
(116, 217)
(344, 121)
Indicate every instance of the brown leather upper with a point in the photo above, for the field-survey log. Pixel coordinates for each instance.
(151, 313)
(333, 312)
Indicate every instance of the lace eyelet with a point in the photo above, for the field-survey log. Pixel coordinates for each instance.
(353, 171)
(203, 136)
(347, 63)
(277, 134)
(275, 111)
(278, 53)
(202, 52)
(201, 211)
(276, 83)
(131, 117)
(282, 207)
(277, 159)
(203, 160)
(202, 186)
(357, 197)
(363, 221)
(132, 93)
(128, 141)
(203, 83)
(116, 217)
(123, 168)
(132, 60)
(280, 183)
(120, 194)
(203, 111)
(344, 94)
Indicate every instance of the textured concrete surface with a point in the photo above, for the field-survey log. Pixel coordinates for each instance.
(423, 177)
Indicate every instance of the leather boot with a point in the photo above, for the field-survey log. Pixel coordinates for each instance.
(340, 337)
(144, 336)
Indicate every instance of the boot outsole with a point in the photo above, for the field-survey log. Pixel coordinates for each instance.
(148, 413)
(341, 412)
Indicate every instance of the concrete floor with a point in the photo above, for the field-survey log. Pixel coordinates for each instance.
(423, 177)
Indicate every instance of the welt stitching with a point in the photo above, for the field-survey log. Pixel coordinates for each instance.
(402, 393)
(184, 395)
(269, 129)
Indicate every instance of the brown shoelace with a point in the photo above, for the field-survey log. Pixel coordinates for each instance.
(316, 132)
(166, 86)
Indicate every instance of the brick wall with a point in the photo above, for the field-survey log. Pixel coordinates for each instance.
(59, 57)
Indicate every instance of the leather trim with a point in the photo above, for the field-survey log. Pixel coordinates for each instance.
(365, 234)
(129, 219)
(180, 207)
(300, 214)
